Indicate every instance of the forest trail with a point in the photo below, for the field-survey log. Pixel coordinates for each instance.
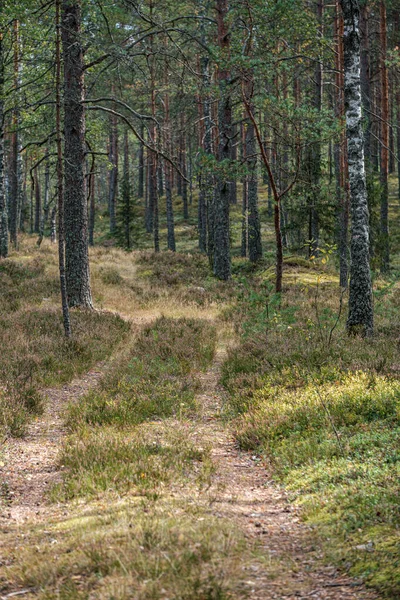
(241, 491)
(31, 462)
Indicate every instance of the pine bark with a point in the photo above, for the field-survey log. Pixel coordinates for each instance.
(60, 180)
(168, 174)
(254, 229)
(75, 209)
(16, 158)
(38, 200)
(113, 182)
(222, 261)
(384, 146)
(3, 204)
(360, 316)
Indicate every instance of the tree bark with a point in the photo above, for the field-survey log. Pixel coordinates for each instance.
(60, 181)
(3, 204)
(38, 200)
(76, 217)
(92, 209)
(384, 146)
(168, 173)
(113, 183)
(360, 316)
(254, 229)
(16, 158)
(222, 261)
(141, 168)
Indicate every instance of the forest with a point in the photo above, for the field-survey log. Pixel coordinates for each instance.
(199, 299)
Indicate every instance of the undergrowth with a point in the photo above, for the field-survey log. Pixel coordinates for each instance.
(156, 378)
(323, 410)
(35, 352)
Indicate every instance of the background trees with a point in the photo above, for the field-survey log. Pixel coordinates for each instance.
(205, 96)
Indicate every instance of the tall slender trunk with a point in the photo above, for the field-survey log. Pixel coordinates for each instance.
(245, 238)
(153, 197)
(53, 225)
(233, 183)
(222, 261)
(254, 229)
(113, 183)
(16, 158)
(168, 172)
(315, 148)
(184, 170)
(92, 208)
(360, 317)
(76, 217)
(398, 137)
(60, 180)
(38, 200)
(384, 147)
(339, 157)
(141, 169)
(3, 204)
(206, 198)
(46, 199)
(126, 195)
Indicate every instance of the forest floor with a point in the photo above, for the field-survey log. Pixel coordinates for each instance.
(199, 519)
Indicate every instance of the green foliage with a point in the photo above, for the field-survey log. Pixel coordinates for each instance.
(327, 419)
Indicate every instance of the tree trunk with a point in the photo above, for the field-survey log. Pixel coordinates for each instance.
(184, 171)
(222, 261)
(53, 225)
(60, 181)
(384, 147)
(38, 200)
(76, 218)
(45, 212)
(168, 175)
(254, 230)
(113, 184)
(360, 317)
(92, 209)
(16, 158)
(141, 165)
(3, 204)
(245, 237)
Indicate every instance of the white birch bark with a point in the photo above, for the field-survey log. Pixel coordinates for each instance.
(360, 317)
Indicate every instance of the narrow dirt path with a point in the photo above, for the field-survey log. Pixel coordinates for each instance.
(243, 493)
(30, 465)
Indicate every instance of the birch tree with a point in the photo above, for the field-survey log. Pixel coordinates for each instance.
(360, 317)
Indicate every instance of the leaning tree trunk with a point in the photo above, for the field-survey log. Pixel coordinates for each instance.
(360, 317)
(3, 204)
(222, 261)
(384, 146)
(75, 210)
